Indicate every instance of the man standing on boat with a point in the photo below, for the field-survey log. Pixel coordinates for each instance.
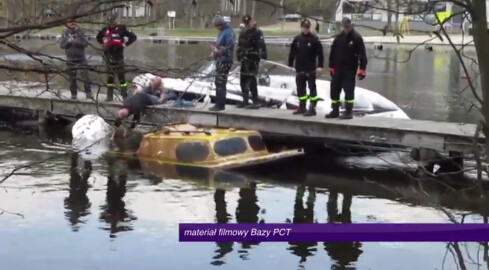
(222, 52)
(306, 56)
(251, 49)
(346, 59)
(74, 42)
(114, 38)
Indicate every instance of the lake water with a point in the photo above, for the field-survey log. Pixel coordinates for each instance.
(113, 214)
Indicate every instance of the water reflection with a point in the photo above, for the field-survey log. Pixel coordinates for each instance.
(114, 212)
(304, 215)
(222, 217)
(77, 204)
(343, 253)
(248, 209)
(236, 198)
(247, 212)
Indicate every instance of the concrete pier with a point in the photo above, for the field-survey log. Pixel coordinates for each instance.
(438, 136)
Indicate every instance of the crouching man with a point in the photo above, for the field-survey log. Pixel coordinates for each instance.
(154, 86)
(149, 84)
(135, 106)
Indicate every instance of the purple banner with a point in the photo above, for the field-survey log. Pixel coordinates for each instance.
(334, 232)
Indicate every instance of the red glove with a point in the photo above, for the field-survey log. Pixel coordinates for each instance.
(331, 72)
(361, 74)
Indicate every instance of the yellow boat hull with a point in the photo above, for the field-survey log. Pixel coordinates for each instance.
(209, 148)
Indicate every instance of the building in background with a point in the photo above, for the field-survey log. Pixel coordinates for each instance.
(419, 14)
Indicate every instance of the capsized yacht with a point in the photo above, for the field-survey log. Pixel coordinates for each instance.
(278, 91)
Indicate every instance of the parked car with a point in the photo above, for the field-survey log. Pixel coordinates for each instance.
(291, 18)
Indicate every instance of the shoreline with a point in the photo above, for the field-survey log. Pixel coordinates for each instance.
(458, 40)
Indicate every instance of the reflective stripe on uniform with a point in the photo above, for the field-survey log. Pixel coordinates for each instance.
(303, 97)
(350, 101)
(314, 98)
(335, 101)
(125, 84)
(110, 85)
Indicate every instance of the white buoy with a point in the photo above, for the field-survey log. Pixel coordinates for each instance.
(91, 136)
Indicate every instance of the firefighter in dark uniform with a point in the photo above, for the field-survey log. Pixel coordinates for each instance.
(113, 38)
(347, 59)
(306, 56)
(251, 48)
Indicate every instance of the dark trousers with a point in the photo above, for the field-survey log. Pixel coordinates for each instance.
(75, 66)
(248, 80)
(222, 73)
(343, 79)
(115, 67)
(303, 80)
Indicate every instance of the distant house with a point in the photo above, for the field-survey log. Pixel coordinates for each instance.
(137, 9)
(366, 10)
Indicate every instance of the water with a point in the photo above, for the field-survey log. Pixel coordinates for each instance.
(113, 214)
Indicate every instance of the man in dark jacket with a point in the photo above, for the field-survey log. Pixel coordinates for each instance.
(251, 48)
(306, 56)
(113, 38)
(74, 42)
(222, 52)
(346, 59)
(136, 105)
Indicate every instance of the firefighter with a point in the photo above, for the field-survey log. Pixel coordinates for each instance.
(347, 59)
(114, 38)
(306, 56)
(251, 49)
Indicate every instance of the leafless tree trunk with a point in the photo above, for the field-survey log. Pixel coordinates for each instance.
(397, 14)
(389, 15)
(329, 9)
(481, 41)
(133, 6)
(191, 16)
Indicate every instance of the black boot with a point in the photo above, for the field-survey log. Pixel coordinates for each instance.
(335, 113)
(244, 103)
(254, 97)
(216, 108)
(348, 114)
(312, 109)
(254, 106)
(302, 108)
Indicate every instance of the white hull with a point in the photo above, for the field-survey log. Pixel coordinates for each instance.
(282, 93)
